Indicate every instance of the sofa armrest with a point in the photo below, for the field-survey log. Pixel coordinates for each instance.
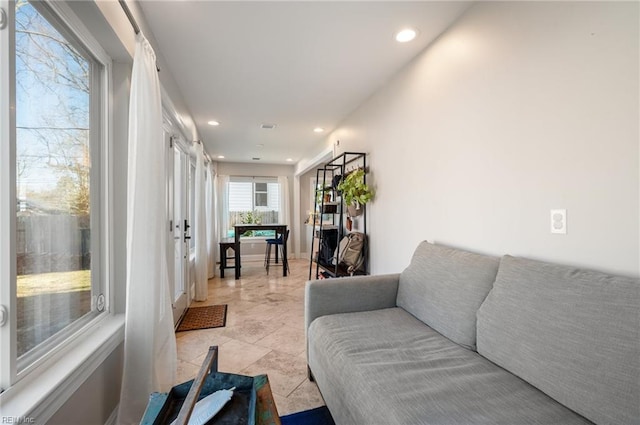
(348, 295)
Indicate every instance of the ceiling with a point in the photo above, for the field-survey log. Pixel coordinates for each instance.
(299, 65)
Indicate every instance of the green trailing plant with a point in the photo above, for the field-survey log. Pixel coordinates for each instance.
(354, 190)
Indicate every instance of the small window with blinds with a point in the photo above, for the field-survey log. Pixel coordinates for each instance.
(253, 200)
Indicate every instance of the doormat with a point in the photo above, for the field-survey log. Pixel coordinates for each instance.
(317, 416)
(213, 316)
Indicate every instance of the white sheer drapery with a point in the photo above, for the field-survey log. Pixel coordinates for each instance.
(223, 206)
(285, 204)
(150, 347)
(200, 227)
(216, 218)
(212, 238)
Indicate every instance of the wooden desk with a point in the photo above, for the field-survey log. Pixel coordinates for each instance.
(280, 230)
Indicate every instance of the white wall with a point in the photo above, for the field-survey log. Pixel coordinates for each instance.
(120, 43)
(253, 169)
(94, 401)
(121, 84)
(517, 109)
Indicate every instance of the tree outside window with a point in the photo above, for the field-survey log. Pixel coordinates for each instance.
(53, 183)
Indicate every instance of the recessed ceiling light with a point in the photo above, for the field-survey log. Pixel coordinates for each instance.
(267, 126)
(213, 123)
(220, 156)
(406, 35)
(318, 129)
(289, 159)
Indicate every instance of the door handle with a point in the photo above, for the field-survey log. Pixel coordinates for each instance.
(186, 229)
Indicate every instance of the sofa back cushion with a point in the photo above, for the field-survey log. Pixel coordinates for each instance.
(571, 333)
(444, 287)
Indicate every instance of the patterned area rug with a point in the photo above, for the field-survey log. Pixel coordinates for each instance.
(214, 316)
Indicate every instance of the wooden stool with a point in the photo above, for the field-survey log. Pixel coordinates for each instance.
(225, 244)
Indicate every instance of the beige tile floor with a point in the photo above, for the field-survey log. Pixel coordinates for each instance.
(264, 333)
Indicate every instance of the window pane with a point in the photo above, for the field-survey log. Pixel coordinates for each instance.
(240, 196)
(53, 185)
(274, 196)
(261, 199)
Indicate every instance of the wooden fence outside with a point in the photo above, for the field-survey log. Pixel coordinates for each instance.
(52, 243)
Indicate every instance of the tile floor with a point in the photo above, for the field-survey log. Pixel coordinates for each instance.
(264, 333)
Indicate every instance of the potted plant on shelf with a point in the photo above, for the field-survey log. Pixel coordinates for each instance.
(355, 192)
(323, 194)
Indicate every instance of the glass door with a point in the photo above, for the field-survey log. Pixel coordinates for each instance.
(180, 229)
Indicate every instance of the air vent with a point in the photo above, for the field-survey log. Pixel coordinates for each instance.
(255, 159)
(267, 126)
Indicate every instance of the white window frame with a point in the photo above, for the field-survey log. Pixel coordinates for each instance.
(39, 389)
(253, 181)
(256, 192)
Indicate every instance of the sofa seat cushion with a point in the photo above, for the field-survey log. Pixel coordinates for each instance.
(387, 367)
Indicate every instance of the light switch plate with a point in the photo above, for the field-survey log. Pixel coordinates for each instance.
(559, 221)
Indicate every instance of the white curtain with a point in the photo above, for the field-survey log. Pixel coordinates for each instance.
(200, 228)
(216, 217)
(223, 206)
(212, 238)
(285, 205)
(150, 347)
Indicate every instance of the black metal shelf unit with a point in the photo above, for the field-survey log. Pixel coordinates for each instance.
(329, 234)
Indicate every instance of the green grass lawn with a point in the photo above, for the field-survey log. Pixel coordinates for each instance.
(52, 283)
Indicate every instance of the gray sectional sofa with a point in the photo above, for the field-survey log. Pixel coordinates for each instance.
(463, 338)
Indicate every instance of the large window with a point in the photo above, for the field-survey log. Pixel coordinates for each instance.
(253, 201)
(56, 282)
